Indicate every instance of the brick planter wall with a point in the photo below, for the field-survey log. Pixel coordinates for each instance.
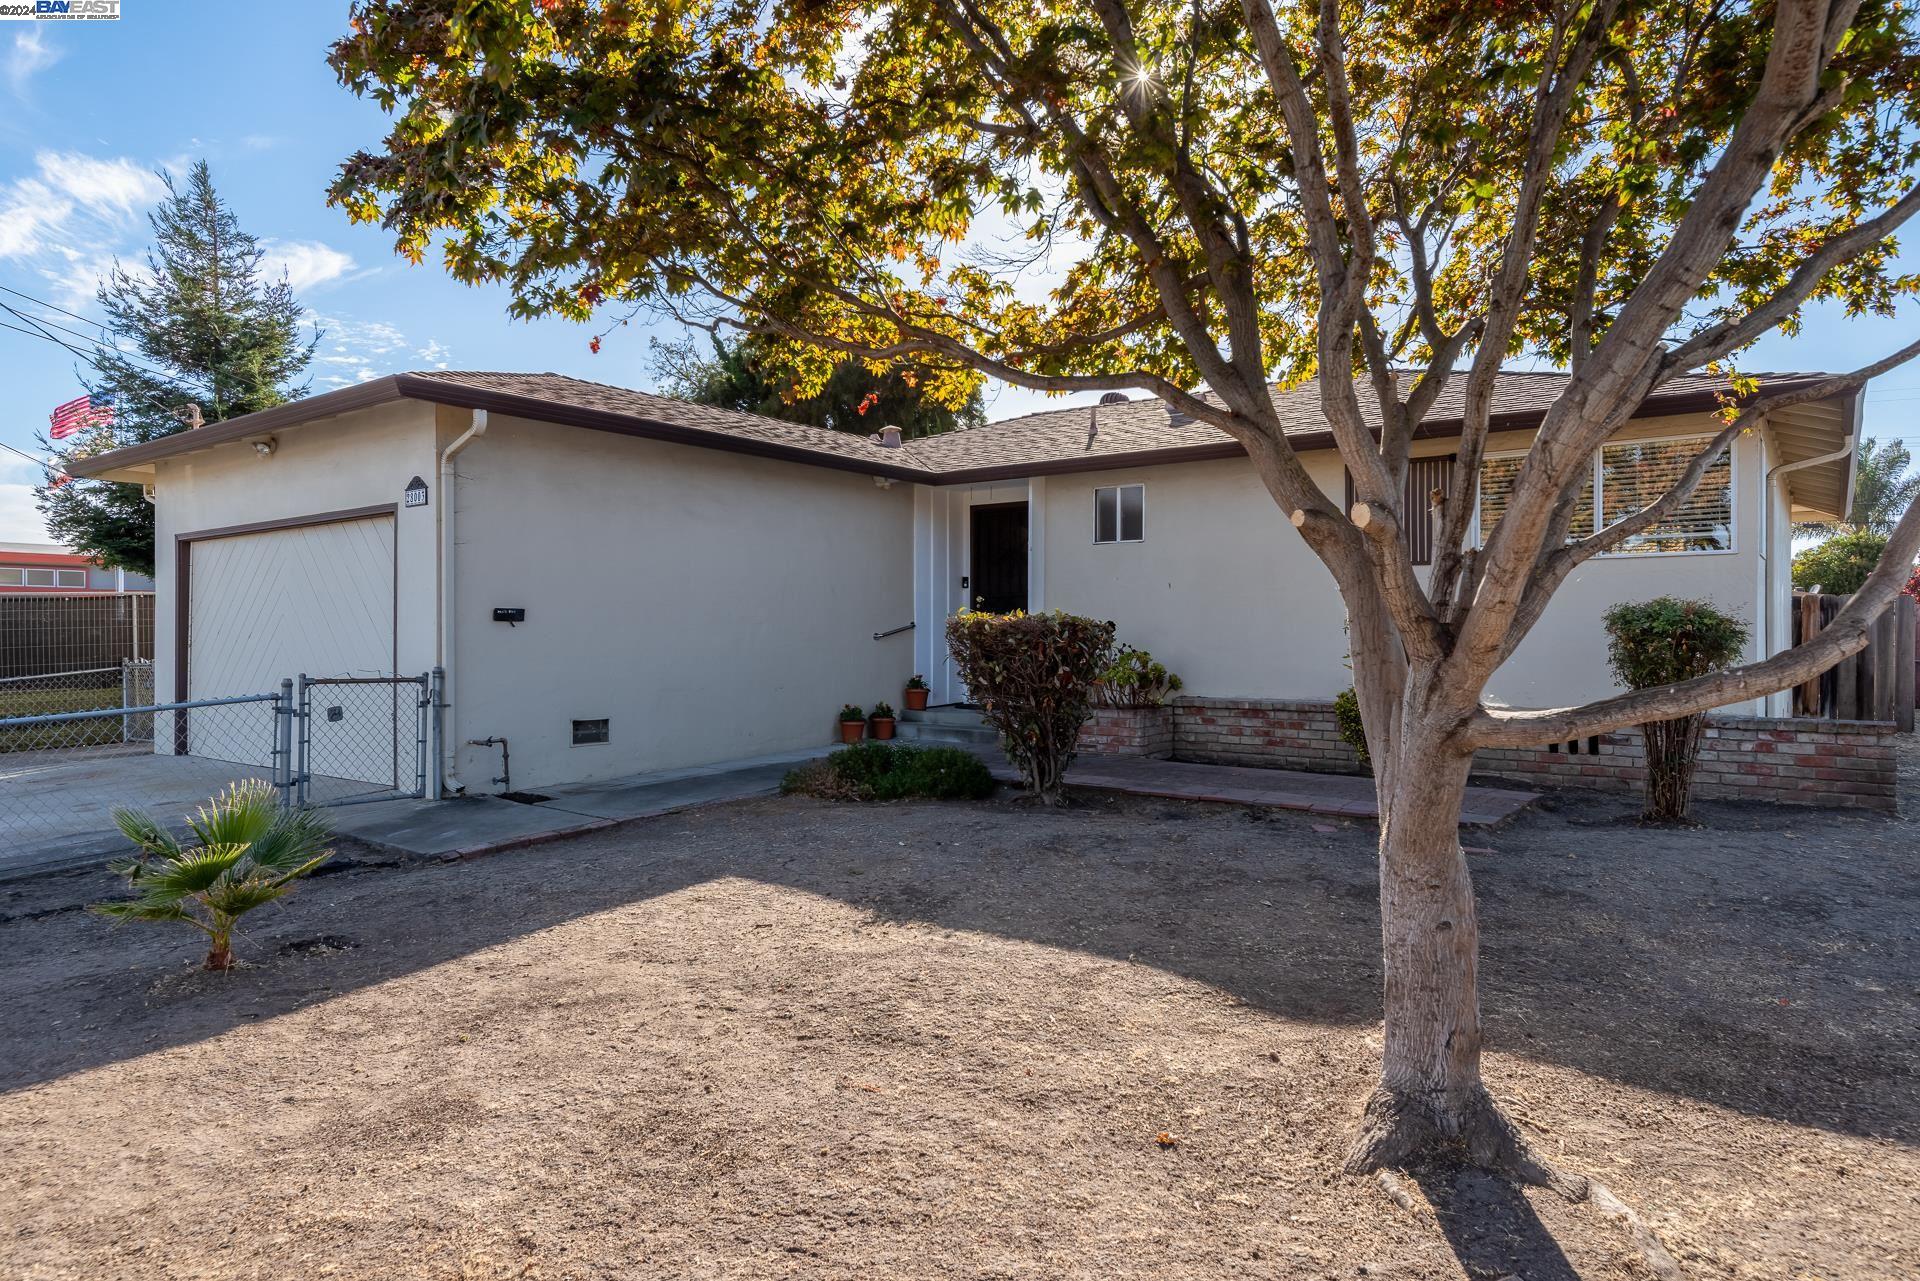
(1261, 731)
(1798, 762)
(1129, 731)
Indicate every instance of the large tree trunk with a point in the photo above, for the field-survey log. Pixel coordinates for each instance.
(1430, 1101)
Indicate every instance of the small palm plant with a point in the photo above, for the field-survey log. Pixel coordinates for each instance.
(249, 851)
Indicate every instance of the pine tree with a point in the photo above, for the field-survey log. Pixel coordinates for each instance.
(199, 326)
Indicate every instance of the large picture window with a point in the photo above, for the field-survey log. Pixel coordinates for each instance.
(1496, 490)
(1627, 475)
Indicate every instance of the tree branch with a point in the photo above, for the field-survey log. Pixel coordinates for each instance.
(1845, 636)
(1731, 335)
(1562, 561)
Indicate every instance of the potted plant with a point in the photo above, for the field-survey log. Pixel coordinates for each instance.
(853, 724)
(881, 719)
(916, 693)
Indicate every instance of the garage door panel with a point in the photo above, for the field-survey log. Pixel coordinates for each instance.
(317, 599)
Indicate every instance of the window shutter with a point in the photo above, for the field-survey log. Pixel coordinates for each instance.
(1424, 475)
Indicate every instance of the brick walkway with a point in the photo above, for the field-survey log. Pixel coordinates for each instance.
(1345, 795)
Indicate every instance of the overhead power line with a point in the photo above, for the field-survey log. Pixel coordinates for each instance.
(52, 306)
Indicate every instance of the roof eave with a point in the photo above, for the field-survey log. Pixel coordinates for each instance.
(136, 461)
(292, 414)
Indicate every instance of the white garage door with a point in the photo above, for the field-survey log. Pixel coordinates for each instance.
(317, 599)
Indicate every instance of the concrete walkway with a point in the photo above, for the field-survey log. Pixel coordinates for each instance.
(470, 825)
(1341, 794)
(467, 826)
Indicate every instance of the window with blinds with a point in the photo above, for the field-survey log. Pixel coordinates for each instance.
(1426, 477)
(1635, 473)
(1627, 476)
(1496, 490)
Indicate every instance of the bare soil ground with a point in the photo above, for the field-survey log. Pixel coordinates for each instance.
(798, 1039)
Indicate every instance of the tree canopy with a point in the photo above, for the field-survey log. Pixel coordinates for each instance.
(1217, 194)
(740, 374)
(197, 325)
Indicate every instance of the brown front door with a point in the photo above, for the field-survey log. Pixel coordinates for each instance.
(997, 568)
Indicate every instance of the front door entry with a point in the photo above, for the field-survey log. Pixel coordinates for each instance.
(998, 564)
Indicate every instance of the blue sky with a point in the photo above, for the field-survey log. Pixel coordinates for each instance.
(90, 111)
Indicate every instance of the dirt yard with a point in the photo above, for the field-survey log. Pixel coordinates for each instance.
(795, 1039)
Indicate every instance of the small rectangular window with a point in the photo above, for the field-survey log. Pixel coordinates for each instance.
(40, 578)
(589, 732)
(1120, 514)
(12, 576)
(70, 578)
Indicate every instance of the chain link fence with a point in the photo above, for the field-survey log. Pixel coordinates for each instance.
(362, 739)
(69, 633)
(75, 746)
(125, 684)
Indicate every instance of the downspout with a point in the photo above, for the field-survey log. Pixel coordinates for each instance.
(1767, 602)
(449, 500)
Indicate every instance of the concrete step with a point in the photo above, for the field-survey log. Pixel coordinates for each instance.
(958, 735)
(967, 717)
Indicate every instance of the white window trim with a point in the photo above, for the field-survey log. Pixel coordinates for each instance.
(1117, 508)
(1600, 497)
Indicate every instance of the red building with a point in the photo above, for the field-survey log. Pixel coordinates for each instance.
(47, 568)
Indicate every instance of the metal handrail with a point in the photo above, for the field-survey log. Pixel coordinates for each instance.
(892, 631)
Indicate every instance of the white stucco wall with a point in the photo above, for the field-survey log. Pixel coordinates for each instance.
(1225, 592)
(357, 460)
(710, 605)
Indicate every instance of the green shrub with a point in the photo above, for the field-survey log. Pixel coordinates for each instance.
(852, 713)
(1839, 565)
(877, 771)
(250, 851)
(1353, 731)
(882, 712)
(1134, 679)
(1032, 675)
(1658, 642)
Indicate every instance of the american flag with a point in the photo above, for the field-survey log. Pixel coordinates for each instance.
(77, 413)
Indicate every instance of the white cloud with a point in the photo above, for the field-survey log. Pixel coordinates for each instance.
(30, 55)
(307, 263)
(71, 203)
(19, 519)
(356, 351)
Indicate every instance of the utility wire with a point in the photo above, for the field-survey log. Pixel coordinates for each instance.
(50, 306)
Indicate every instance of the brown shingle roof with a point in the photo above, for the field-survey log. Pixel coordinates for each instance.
(1073, 439)
(1079, 438)
(541, 390)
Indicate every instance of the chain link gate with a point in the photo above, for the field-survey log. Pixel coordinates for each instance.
(365, 738)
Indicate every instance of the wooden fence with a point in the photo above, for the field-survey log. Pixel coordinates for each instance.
(1878, 683)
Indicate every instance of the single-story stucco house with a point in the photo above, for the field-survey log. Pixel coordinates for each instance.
(714, 585)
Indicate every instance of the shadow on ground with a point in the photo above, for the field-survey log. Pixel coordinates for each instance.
(1764, 962)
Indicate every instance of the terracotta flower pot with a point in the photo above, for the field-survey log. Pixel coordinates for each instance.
(852, 731)
(882, 726)
(916, 700)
